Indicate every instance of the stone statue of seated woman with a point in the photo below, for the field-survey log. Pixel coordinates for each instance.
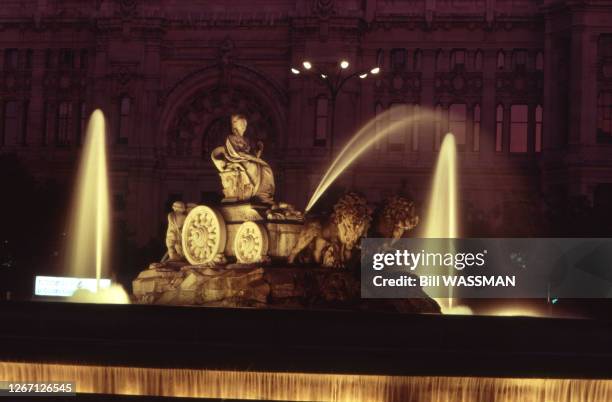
(244, 175)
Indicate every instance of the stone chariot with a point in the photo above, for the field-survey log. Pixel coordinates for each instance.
(241, 230)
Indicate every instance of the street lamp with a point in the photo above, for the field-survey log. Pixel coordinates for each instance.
(334, 81)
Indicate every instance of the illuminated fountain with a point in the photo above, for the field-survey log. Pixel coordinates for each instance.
(442, 217)
(90, 218)
(367, 136)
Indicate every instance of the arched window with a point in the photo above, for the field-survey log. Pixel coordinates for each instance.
(476, 129)
(539, 61)
(457, 59)
(539, 121)
(321, 121)
(398, 59)
(64, 123)
(499, 128)
(380, 58)
(125, 108)
(418, 60)
(519, 58)
(478, 60)
(457, 122)
(501, 60)
(11, 59)
(519, 125)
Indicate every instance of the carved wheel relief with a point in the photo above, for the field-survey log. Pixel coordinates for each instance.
(204, 235)
(251, 243)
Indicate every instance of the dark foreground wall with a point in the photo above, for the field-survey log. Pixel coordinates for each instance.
(305, 341)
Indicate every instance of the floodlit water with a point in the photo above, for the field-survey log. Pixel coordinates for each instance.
(375, 130)
(283, 386)
(89, 244)
(442, 219)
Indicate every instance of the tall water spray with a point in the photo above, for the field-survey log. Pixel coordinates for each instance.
(89, 241)
(90, 223)
(441, 220)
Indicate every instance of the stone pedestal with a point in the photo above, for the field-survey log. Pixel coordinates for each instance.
(264, 287)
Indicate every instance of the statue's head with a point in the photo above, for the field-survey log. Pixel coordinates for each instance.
(239, 124)
(179, 206)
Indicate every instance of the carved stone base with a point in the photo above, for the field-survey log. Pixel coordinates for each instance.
(264, 287)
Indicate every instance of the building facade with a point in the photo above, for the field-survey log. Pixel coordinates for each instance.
(525, 86)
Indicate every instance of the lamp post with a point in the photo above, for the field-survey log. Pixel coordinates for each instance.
(334, 81)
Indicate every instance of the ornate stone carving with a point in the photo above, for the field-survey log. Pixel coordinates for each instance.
(174, 244)
(397, 216)
(244, 175)
(323, 8)
(206, 115)
(352, 216)
(331, 242)
(204, 235)
(251, 243)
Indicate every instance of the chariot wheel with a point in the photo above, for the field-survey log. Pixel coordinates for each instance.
(204, 235)
(251, 243)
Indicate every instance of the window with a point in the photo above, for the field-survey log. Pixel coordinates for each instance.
(124, 115)
(11, 59)
(396, 140)
(501, 60)
(519, 121)
(604, 116)
(604, 46)
(50, 59)
(380, 122)
(82, 123)
(416, 126)
(519, 59)
(439, 127)
(440, 60)
(9, 129)
(476, 129)
(499, 127)
(64, 119)
(478, 60)
(398, 59)
(457, 59)
(539, 61)
(24, 122)
(66, 59)
(28, 59)
(322, 113)
(119, 202)
(83, 59)
(418, 60)
(457, 122)
(539, 118)
(380, 58)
